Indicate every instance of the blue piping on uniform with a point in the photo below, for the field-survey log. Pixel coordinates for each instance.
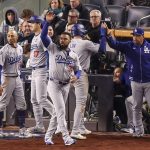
(0, 73)
(78, 74)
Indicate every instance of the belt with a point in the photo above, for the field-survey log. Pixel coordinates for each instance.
(59, 82)
(34, 68)
(12, 76)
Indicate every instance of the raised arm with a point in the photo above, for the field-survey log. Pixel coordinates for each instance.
(102, 47)
(44, 37)
(115, 44)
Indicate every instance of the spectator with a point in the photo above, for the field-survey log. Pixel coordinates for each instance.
(76, 4)
(52, 35)
(25, 39)
(119, 95)
(26, 14)
(73, 17)
(11, 22)
(57, 7)
(93, 34)
(101, 4)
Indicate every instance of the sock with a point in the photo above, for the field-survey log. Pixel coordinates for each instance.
(21, 118)
(1, 119)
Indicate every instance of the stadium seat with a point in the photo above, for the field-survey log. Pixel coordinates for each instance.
(135, 14)
(117, 14)
(118, 2)
(90, 7)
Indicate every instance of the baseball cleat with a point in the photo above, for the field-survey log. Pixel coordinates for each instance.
(23, 133)
(127, 130)
(137, 135)
(1, 133)
(48, 141)
(69, 141)
(86, 132)
(37, 130)
(78, 136)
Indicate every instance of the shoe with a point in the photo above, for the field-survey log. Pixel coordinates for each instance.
(69, 141)
(37, 130)
(48, 141)
(23, 133)
(1, 133)
(78, 136)
(86, 132)
(127, 130)
(138, 135)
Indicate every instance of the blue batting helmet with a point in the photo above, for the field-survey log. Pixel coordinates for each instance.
(78, 29)
(35, 19)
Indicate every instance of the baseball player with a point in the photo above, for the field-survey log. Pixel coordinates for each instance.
(38, 62)
(84, 50)
(11, 85)
(138, 53)
(64, 67)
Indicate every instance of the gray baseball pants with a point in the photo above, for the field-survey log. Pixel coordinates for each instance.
(39, 95)
(59, 94)
(139, 90)
(129, 108)
(12, 86)
(81, 92)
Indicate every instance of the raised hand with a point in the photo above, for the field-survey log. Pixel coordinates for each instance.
(49, 16)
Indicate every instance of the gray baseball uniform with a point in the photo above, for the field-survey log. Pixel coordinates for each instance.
(58, 85)
(84, 49)
(38, 60)
(10, 59)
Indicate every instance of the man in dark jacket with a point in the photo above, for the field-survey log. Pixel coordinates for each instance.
(138, 53)
(76, 4)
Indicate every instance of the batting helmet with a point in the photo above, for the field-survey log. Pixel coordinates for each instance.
(78, 29)
(35, 19)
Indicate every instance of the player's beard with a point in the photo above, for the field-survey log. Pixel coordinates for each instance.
(13, 44)
(63, 46)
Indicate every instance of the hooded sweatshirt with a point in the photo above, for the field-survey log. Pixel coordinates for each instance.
(7, 25)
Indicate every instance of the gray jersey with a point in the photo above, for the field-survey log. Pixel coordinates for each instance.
(60, 62)
(38, 55)
(84, 50)
(10, 59)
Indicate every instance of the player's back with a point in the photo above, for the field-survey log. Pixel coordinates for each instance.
(84, 50)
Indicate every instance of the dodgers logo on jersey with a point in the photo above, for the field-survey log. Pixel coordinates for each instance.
(12, 60)
(60, 59)
(146, 50)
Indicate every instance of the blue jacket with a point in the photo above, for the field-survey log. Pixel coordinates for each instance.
(139, 57)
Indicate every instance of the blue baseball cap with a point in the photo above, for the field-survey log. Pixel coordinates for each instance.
(138, 31)
(35, 19)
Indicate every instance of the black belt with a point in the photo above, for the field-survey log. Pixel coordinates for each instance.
(34, 68)
(12, 76)
(59, 82)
